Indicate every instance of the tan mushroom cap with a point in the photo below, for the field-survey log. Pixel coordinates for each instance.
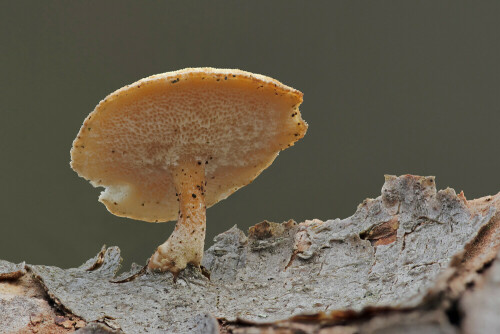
(232, 121)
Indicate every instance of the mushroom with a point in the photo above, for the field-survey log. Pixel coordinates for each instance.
(170, 145)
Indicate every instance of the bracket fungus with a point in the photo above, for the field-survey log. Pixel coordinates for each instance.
(170, 145)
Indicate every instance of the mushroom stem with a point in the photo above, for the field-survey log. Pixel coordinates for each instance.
(185, 244)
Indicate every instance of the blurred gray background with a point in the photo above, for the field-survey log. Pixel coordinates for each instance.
(389, 88)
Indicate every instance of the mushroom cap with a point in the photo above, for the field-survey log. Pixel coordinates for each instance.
(234, 122)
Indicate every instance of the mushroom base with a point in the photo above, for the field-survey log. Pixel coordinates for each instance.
(186, 243)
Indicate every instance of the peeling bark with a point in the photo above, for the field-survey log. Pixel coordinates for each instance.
(481, 303)
(25, 308)
(412, 260)
(11, 271)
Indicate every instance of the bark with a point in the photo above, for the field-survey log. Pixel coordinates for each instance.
(412, 260)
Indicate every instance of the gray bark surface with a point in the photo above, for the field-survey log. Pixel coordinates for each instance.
(482, 304)
(10, 270)
(391, 267)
